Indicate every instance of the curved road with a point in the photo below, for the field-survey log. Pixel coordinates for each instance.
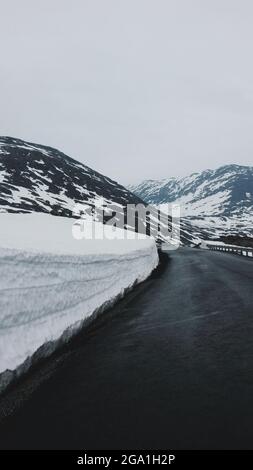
(171, 368)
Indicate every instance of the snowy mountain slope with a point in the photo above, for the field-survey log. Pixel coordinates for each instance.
(51, 285)
(219, 201)
(35, 178)
(38, 178)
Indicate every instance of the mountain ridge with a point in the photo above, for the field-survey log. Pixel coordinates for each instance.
(37, 178)
(219, 199)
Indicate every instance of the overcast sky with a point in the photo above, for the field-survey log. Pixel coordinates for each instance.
(133, 88)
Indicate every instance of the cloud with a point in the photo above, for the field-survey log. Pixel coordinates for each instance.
(135, 89)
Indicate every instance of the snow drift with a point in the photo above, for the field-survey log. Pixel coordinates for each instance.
(50, 283)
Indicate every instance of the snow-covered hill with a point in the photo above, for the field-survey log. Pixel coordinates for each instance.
(220, 201)
(35, 178)
(42, 179)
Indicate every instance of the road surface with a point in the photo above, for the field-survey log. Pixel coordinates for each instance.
(172, 368)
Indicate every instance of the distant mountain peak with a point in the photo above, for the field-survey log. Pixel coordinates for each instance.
(219, 199)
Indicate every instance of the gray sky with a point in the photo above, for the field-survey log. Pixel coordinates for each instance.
(133, 88)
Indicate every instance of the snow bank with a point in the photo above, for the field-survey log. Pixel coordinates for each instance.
(50, 282)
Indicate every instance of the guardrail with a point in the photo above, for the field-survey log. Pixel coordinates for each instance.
(237, 250)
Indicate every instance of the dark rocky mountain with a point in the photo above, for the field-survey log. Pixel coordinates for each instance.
(42, 179)
(220, 201)
(38, 178)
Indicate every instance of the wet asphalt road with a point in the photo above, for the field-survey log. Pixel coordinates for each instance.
(172, 368)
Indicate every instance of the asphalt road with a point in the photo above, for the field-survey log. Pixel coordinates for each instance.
(172, 368)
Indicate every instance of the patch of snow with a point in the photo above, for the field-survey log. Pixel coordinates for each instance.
(3, 175)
